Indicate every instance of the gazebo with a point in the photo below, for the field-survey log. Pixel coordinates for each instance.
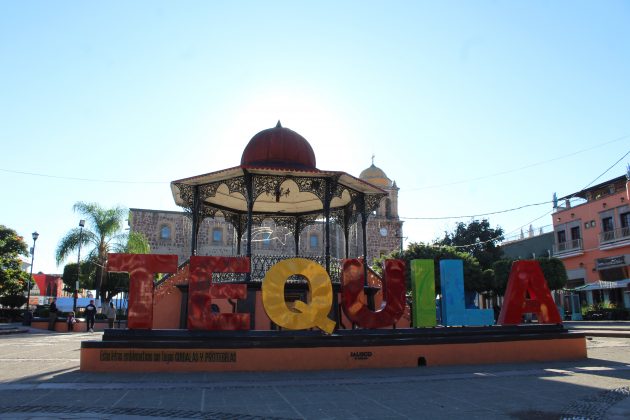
(278, 180)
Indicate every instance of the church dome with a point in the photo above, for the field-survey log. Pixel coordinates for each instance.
(279, 147)
(375, 175)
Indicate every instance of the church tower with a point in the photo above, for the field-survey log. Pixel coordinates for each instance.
(384, 230)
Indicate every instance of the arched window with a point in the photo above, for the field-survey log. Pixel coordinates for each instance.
(165, 232)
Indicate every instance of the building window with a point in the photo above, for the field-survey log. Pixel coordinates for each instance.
(165, 232)
(607, 224)
(313, 241)
(217, 236)
(625, 224)
(575, 233)
(608, 229)
(562, 236)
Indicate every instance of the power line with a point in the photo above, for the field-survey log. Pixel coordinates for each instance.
(118, 181)
(603, 173)
(495, 239)
(521, 235)
(547, 213)
(463, 181)
(113, 181)
(478, 214)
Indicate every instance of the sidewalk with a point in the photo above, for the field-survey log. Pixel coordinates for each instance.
(40, 379)
(12, 328)
(600, 328)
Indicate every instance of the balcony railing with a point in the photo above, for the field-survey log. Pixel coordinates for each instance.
(569, 246)
(615, 235)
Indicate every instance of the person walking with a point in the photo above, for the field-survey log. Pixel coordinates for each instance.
(52, 315)
(90, 316)
(110, 313)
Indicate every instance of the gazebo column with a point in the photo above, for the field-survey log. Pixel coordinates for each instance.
(249, 306)
(195, 220)
(296, 236)
(364, 238)
(239, 234)
(346, 231)
(249, 181)
(327, 200)
(364, 219)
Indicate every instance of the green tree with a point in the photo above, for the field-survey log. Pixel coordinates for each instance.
(133, 243)
(476, 238)
(13, 280)
(102, 235)
(473, 278)
(501, 269)
(554, 271)
(69, 276)
(552, 268)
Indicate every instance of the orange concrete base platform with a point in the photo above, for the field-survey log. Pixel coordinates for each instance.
(140, 357)
(80, 326)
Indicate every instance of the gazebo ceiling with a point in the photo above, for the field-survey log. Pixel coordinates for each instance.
(275, 191)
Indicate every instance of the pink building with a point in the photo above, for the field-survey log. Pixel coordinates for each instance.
(592, 238)
(49, 285)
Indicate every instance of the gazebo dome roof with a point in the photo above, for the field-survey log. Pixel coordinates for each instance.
(279, 147)
(375, 175)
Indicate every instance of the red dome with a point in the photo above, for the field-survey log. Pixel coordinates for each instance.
(279, 147)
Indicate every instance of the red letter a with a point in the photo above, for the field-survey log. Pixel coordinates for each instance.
(526, 277)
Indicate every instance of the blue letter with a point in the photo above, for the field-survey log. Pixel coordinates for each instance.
(454, 311)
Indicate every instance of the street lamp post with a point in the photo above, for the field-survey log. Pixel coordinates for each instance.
(27, 317)
(76, 284)
(402, 240)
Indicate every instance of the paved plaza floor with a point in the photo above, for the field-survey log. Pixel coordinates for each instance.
(40, 379)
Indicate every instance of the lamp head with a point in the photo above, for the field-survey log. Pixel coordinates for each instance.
(82, 223)
(35, 235)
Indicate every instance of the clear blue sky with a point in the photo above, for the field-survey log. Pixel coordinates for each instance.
(471, 106)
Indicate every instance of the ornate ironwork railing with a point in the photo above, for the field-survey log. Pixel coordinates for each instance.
(615, 235)
(260, 264)
(569, 246)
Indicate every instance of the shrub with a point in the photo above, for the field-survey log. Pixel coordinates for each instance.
(11, 315)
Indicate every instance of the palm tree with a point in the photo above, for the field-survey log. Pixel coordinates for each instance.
(104, 234)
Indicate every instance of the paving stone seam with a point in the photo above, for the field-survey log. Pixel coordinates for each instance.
(326, 382)
(595, 406)
(131, 411)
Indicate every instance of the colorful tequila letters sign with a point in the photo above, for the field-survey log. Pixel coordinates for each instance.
(527, 292)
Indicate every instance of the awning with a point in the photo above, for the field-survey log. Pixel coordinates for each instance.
(600, 284)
